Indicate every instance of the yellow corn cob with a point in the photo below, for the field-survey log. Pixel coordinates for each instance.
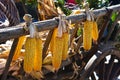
(95, 31)
(87, 35)
(52, 42)
(51, 46)
(65, 46)
(18, 47)
(57, 50)
(38, 55)
(30, 51)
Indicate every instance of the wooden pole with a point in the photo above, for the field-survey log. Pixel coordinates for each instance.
(17, 31)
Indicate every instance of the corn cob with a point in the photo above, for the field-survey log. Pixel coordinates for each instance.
(52, 42)
(38, 55)
(65, 46)
(30, 51)
(95, 31)
(57, 50)
(18, 47)
(41, 12)
(87, 35)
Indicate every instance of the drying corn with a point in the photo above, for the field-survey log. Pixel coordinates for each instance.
(65, 46)
(87, 35)
(38, 55)
(87, 30)
(19, 47)
(57, 50)
(95, 31)
(30, 51)
(59, 43)
(33, 50)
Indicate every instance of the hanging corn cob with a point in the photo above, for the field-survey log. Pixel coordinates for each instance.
(87, 35)
(60, 31)
(38, 55)
(28, 19)
(87, 30)
(52, 42)
(33, 50)
(65, 36)
(57, 50)
(65, 46)
(30, 51)
(30, 46)
(95, 31)
(19, 47)
(59, 43)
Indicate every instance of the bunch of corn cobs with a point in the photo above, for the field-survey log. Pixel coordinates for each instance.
(59, 44)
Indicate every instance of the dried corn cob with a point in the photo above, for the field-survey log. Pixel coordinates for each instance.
(65, 46)
(19, 47)
(57, 50)
(95, 31)
(87, 35)
(52, 42)
(38, 55)
(41, 12)
(30, 51)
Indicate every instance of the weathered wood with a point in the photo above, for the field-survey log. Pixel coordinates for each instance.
(110, 65)
(5, 72)
(102, 70)
(10, 33)
(79, 43)
(104, 26)
(112, 27)
(96, 59)
(17, 31)
(93, 76)
(95, 47)
(47, 42)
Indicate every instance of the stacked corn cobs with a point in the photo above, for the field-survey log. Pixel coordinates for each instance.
(46, 8)
(90, 31)
(33, 55)
(59, 48)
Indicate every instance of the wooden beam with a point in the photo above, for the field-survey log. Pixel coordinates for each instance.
(17, 31)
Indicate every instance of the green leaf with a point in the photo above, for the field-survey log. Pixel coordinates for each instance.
(114, 15)
(61, 2)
